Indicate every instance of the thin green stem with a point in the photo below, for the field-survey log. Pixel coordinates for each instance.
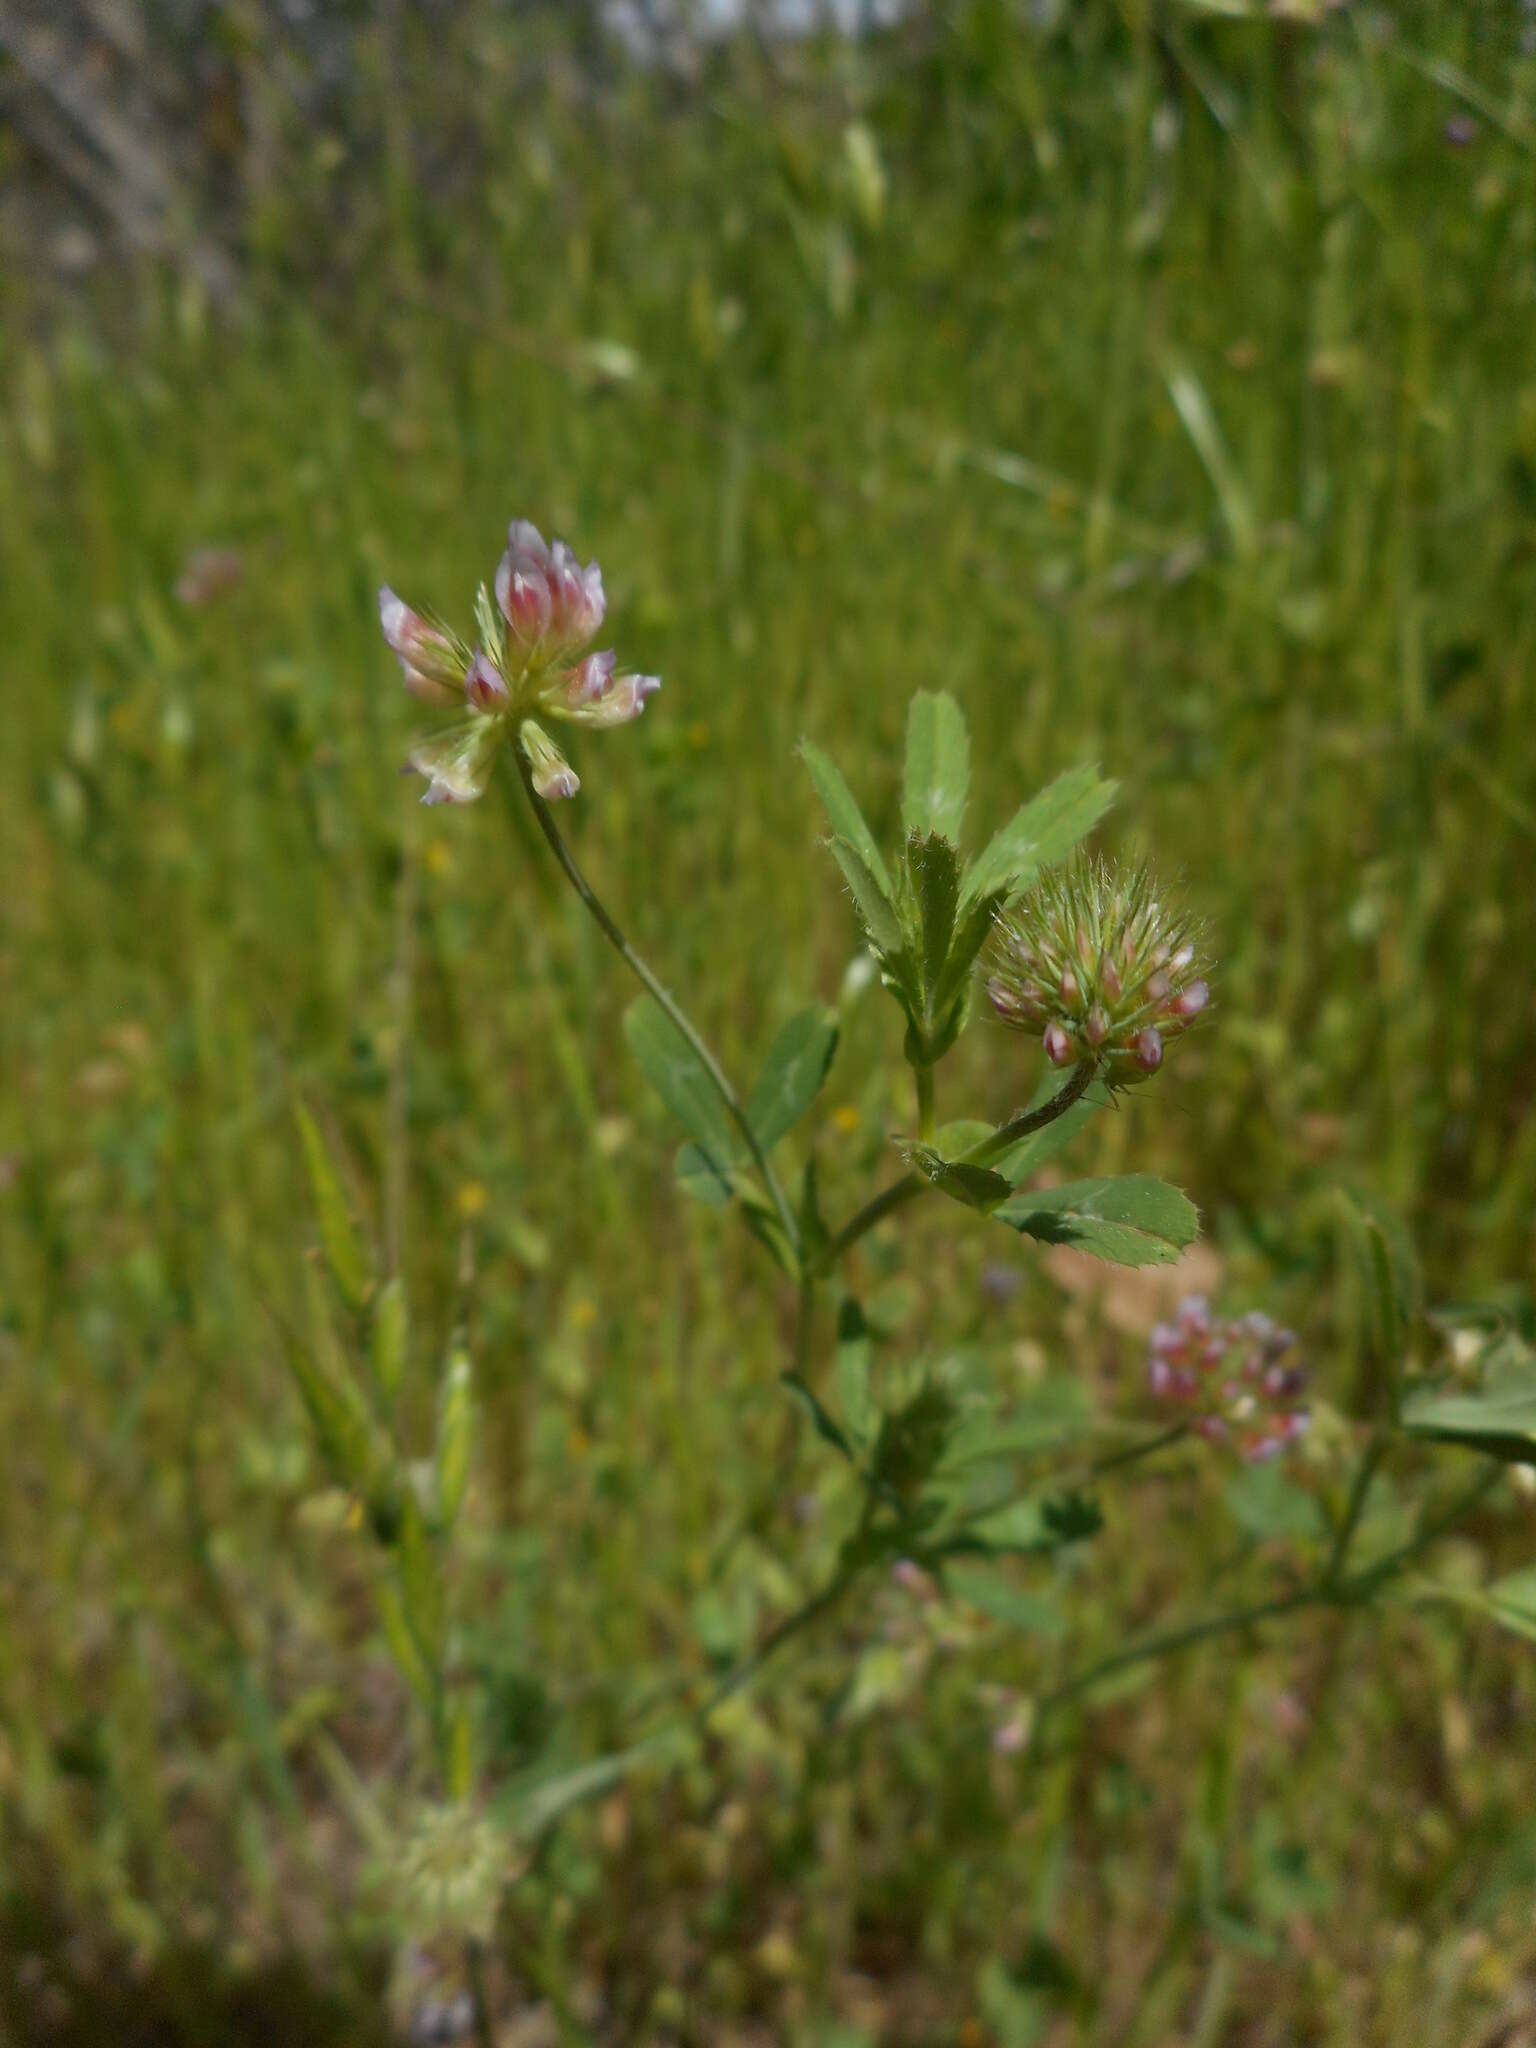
(1354, 1507)
(911, 1185)
(479, 1998)
(924, 1077)
(1330, 1590)
(660, 994)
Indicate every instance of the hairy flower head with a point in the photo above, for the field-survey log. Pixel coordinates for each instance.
(1101, 966)
(523, 667)
(1237, 1377)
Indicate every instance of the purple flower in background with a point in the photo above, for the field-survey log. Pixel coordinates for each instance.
(1238, 1378)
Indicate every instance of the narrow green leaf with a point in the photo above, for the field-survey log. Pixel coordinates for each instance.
(1036, 1524)
(821, 1421)
(1384, 1255)
(976, 1186)
(350, 1439)
(700, 1174)
(403, 1645)
(844, 816)
(933, 868)
(1134, 1220)
(796, 1066)
(420, 1579)
(1497, 1416)
(455, 1434)
(972, 928)
(1512, 1601)
(1011, 1605)
(390, 1337)
(677, 1074)
(870, 899)
(1267, 1503)
(851, 1374)
(342, 1252)
(538, 1806)
(1041, 832)
(1055, 1413)
(937, 773)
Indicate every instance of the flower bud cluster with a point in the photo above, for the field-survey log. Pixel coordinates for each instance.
(546, 609)
(1101, 967)
(1237, 1376)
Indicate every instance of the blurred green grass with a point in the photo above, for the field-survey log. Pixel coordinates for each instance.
(1167, 396)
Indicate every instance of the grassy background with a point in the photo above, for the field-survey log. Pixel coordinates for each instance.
(1176, 409)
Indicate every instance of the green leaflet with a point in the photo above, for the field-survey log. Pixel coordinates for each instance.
(796, 1066)
(677, 1074)
(937, 772)
(844, 816)
(1134, 1220)
(1039, 833)
(343, 1254)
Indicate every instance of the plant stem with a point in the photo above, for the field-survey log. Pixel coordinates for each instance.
(1354, 1507)
(474, 1971)
(660, 994)
(911, 1185)
(924, 1103)
(1330, 1590)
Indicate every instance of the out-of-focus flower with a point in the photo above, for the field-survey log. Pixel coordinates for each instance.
(545, 610)
(1101, 967)
(207, 573)
(1238, 1378)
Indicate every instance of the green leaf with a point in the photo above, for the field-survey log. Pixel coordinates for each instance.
(973, 927)
(854, 1356)
(976, 1186)
(535, 1807)
(421, 1581)
(677, 1074)
(1265, 1503)
(823, 1423)
(403, 1645)
(390, 1337)
(350, 1439)
(870, 900)
(797, 1064)
(1012, 1605)
(1389, 1271)
(1035, 1524)
(1512, 1601)
(938, 766)
(844, 815)
(1040, 833)
(342, 1252)
(1134, 1220)
(704, 1177)
(1497, 1417)
(933, 867)
(1052, 1414)
(455, 1434)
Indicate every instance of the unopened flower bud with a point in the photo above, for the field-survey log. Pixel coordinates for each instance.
(1058, 1044)
(1148, 1050)
(484, 686)
(1096, 1029)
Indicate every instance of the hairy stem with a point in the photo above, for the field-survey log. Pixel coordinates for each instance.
(660, 994)
(924, 1076)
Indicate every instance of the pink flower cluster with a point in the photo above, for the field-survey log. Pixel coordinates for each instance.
(1236, 1375)
(547, 608)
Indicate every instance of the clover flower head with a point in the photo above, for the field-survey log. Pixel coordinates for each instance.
(1237, 1377)
(1101, 966)
(543, 610)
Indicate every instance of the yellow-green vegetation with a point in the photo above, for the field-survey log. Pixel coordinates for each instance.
(1162, 387)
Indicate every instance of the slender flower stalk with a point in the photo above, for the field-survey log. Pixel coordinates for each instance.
(657, 989)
